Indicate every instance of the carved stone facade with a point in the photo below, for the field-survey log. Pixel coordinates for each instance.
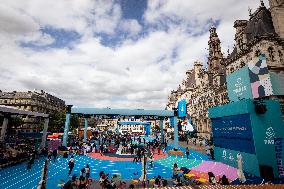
(261, 34)
(277, 12)
(33, 101)
(203, 88)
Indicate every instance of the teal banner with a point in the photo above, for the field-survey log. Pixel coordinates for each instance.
(182, 108)
(238, 84)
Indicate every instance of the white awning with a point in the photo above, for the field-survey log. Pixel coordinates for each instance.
(14, 111)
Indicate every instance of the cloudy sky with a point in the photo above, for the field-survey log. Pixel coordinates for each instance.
(109, 53)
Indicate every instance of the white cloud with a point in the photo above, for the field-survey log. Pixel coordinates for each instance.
(131, 26)
(135, 74)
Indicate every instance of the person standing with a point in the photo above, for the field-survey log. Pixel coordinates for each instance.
(71, 165)
(54, 153)
(101, 149)
(240, 171)
(175, 171)
(30, 162)
(187, 139)
(87, 171)
(187, 152)
(49, 155)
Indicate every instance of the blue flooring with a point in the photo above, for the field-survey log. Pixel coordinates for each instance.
(18, 177)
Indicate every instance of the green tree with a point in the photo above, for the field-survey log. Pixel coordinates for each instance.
(13, 124)
(56, 122)
(74, 121)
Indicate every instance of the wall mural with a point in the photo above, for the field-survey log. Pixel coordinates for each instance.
(259, 77)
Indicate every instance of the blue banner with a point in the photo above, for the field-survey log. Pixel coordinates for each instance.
(233, 132)
(172, 122)
(182, 108)
(278, 142)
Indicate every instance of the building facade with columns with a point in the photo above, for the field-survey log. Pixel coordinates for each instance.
(203, 88)
(35, 101)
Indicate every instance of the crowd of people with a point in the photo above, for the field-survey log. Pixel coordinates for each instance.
(130, 145)
(16, 150)
(127, 144)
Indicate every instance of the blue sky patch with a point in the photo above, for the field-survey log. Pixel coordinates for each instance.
(63, 38)
(133, 9)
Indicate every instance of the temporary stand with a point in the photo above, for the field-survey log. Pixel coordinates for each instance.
(8, 112)
(108, 113)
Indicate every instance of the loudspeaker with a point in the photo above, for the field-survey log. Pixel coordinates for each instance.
(266, 172)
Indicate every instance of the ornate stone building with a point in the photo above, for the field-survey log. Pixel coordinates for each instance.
(33, 101)
(203, 88)
(263, 33)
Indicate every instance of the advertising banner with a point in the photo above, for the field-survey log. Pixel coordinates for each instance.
(182, 108)
(278, 142)
(233, 132)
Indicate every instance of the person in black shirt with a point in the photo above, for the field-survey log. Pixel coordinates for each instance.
(71, 165)
(187, 152)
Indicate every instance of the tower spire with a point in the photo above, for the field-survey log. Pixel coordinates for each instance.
(262, 3)
(215, 53)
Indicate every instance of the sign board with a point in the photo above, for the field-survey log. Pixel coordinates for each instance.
(233, 132)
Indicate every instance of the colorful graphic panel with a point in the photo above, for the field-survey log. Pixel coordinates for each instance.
(239, 86)
(259, 77)
(233, 132)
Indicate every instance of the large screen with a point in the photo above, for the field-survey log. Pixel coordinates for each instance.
(233, 132)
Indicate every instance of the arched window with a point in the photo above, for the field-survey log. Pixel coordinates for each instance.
(257, 53)
(271, 53)
(280, 54)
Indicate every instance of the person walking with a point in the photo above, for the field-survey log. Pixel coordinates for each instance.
(187, 152)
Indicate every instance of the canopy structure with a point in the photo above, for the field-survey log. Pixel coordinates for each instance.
(111, 113)
(8, 111)
(14, 111)
(122, 112)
